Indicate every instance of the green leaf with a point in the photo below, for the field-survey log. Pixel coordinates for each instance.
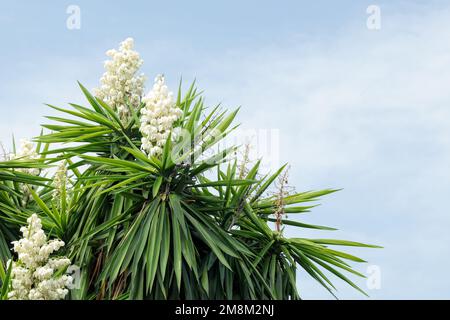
(302, 225)
(2, 272)
(118, 163)
(344, 243)
(236, 182)
(44, 207)
(157, 185)
(6, 282)
(91, 99)
(176, 237)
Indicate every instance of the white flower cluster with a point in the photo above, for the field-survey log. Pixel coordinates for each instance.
(33, 275)
(157, 118)
(120, 82)
(60, 182)
(27, 151)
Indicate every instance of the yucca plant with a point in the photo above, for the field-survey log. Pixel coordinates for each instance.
(189, 222)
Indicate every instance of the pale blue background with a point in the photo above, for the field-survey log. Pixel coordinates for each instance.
(367, 111)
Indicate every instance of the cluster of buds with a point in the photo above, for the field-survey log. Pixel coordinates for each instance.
(158, 117)
(60, 183)
(35, 274)
(121, 84)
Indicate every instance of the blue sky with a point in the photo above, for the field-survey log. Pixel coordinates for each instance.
(367, 111)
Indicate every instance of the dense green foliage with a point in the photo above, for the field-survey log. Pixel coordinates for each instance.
(172, 227)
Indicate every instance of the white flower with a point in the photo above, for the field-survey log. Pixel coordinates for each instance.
(158, 117)
(33, 274)
(43, 273)
(27, 151)
(60, 182)
(120, 82)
